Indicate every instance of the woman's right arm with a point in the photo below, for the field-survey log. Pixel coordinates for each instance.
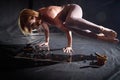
(46, 31)
(45, 45)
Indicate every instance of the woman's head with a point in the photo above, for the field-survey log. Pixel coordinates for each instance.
(26, 20)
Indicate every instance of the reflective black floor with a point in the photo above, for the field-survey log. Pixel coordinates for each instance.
(21, 69)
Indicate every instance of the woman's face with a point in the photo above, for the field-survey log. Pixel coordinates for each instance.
(31, 20)
(34, 22)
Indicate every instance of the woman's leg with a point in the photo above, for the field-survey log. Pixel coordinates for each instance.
(74, 19)
(84, 32)
(93, 35)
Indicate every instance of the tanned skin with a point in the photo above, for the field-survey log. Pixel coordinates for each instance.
(51, 16)
(52, 13)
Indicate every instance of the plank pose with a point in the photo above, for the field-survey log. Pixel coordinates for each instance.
(66, 18)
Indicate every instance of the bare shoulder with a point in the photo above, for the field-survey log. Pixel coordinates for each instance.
(42, 9)
(50, 11)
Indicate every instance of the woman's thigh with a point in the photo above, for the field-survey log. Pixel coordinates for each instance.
(74, 12)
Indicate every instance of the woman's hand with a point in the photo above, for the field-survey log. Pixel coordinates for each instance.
(44, 46)
(68, 50)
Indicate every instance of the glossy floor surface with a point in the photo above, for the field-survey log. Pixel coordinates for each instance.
(19, 69)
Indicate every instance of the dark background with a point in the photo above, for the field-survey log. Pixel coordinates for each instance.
(102, 12)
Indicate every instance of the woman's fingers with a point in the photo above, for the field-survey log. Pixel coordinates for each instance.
(43, 46)
(68, 50)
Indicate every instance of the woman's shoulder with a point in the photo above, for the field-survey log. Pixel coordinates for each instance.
(41, 9)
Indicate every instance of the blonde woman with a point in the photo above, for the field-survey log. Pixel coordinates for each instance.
(66, 18)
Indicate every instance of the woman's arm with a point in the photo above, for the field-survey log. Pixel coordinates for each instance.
(46, 31)
(61, 26)
(45, 45)
(68, 48)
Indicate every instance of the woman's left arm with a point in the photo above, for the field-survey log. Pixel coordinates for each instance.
(68, 49)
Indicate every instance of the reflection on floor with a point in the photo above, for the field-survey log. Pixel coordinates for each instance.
(21, 69)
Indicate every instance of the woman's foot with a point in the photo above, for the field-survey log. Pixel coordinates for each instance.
(108, 39)
(108, 32)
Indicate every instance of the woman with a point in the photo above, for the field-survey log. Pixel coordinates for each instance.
(66, 18)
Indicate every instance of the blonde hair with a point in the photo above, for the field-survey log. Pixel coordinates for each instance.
(24, 15)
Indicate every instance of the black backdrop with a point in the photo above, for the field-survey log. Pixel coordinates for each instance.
(103, 12)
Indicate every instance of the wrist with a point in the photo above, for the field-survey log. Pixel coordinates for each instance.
(46, 42)
(69, 45)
